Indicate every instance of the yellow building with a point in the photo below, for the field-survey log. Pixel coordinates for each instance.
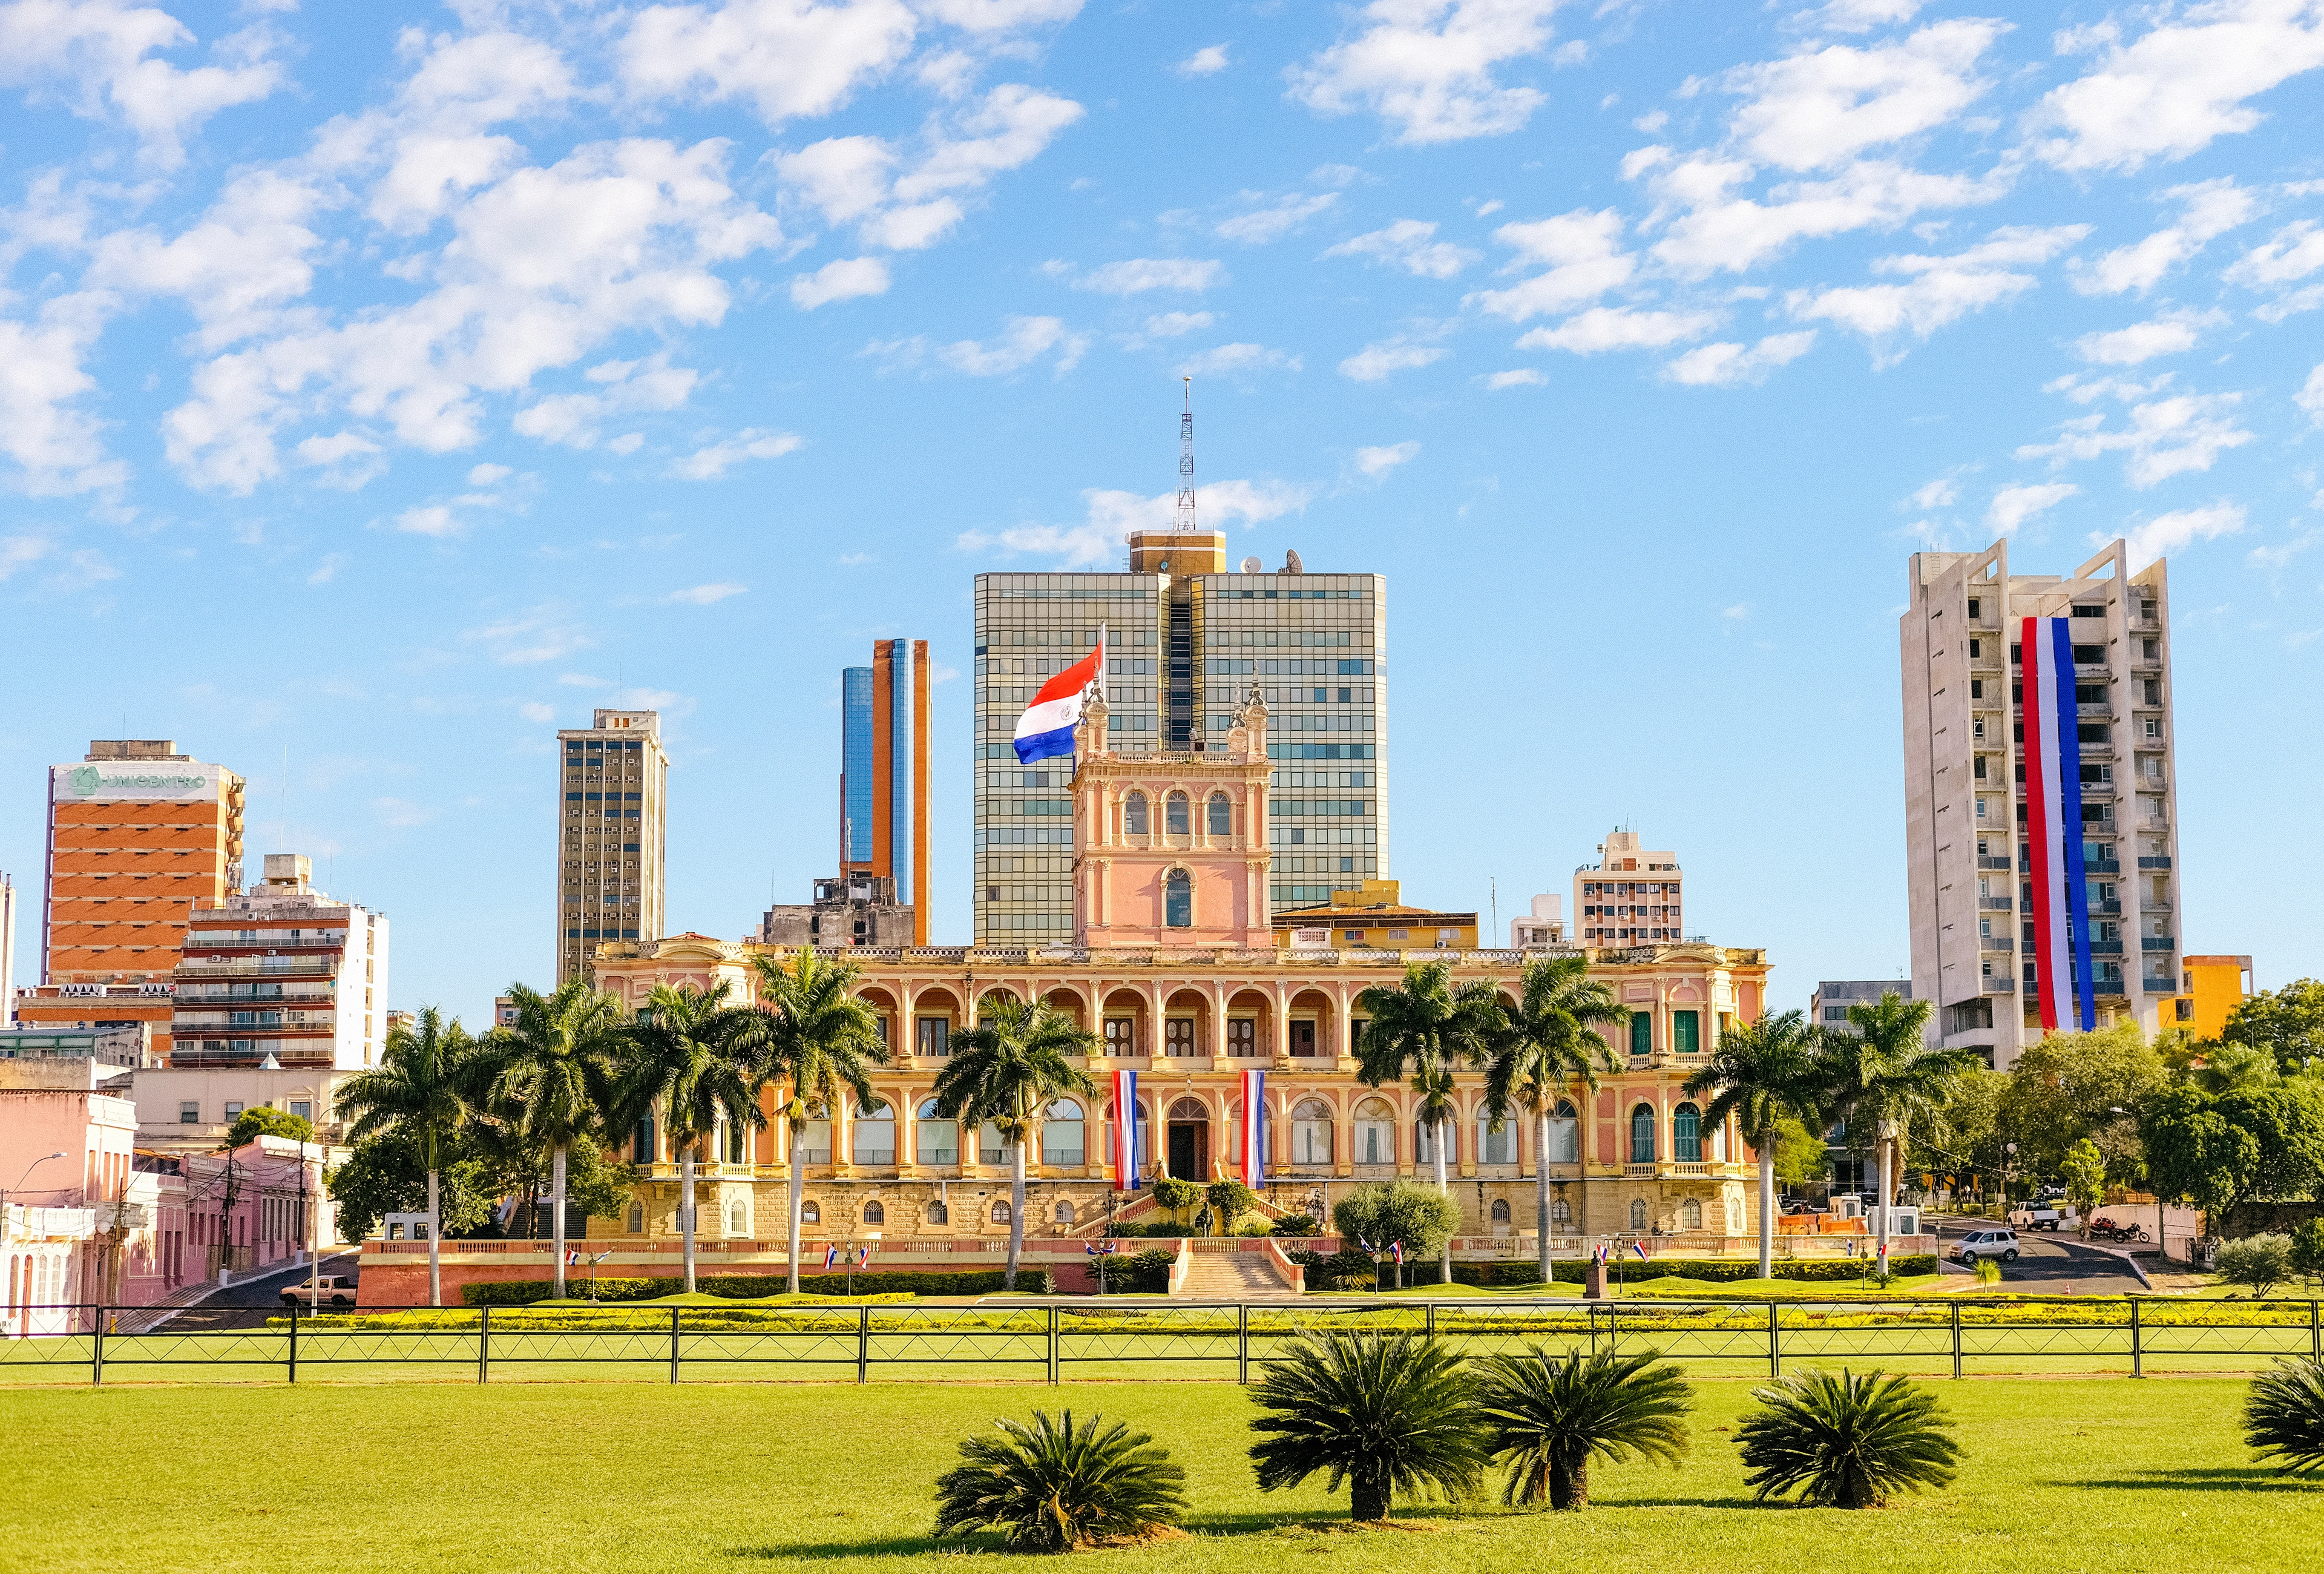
(2212, 988)
(1373, 915)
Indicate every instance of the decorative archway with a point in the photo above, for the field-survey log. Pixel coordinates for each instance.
(1188, 1137)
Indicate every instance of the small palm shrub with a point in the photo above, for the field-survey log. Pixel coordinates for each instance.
(1054, 1487)
(1845, 1442)
(1386, 1415)
(1295, 1224)
(2285, 1415)
(2256, 1262)
(1548, 1417)
(1988, 1271)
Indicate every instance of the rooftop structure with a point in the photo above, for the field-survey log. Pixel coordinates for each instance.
(611, 846)
(282, 975)
(1630, 896)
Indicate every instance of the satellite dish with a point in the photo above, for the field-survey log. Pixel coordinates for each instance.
(1291, 563)
(1253, 566)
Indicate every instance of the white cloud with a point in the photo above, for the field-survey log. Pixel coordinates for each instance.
(1858, 15)
(542, 634)
(2310, 397)
(1428, 65)
(1136, 275)
(2013, 505)
(1026, 340)
(1618, 328)
(534, 711)
(1411, 245)
(1205, 61)
(1823, 107)
(787, 58)
(17, 551)
(1583, 251)
(1169, 325)
(1719, 230)
(100, 55)
(992, 16)
(2168, 533)
(2177, 86)
(706, 595)
(489, 475)
(711, 461)
(1940, 493)
(2169, 334)
(1729, 364)
(844, 280)
(2283, 259)
(328, 569)
(2212, 207)
(623, 387)
(1097, 542)
(1275, 220)
(434, 519)
(43, 426)
(1234, 359)
(1377, 363)
(1375, 463)
(2165, 437)
(347, 459)
(1939, 290)
(1524, 377)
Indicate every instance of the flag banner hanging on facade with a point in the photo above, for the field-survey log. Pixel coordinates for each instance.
(1254, 1128)
(1047, 728)
(830, 1255)
(1125, 1130)
(2064, 985)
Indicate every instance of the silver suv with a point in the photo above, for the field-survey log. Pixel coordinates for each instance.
(1987, 1243)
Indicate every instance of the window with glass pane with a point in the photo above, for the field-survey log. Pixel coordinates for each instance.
(1242, 1035)
(1690, 1214)
(1179, 900)
(1221, 815)
(873, 1136)
(1120, 1035)
(1642, 1134)
(989, 1149)
(1497, 1147)
(1061, 1133)
(1310, 1132)
(1424, 1142)
(1638, 1213)
(1686, 1031)
(937, 1140)
(1375, 1133)
(1178, 1035)
(1178, 820)
(815, 1140)
(1686, 1134)
(1564, 1135)
(1133, 814)
(933, 1035)
(1642, 1033)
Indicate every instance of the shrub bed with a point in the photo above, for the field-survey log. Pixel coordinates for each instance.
(1351, 1270)
(749, 1286)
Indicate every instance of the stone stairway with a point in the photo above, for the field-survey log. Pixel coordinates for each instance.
(1233, 1276)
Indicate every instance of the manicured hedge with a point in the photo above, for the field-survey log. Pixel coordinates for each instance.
(1349, 1271)
(749, 1286)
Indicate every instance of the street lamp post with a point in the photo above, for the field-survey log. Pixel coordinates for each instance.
(35, 1165)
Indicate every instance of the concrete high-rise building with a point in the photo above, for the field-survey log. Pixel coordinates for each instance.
(883, 776)
(7, 951)
(1828, 1006)
(1187, 641)
(611, 850)
(2063, 851)
(1630, 896)
(281, 975)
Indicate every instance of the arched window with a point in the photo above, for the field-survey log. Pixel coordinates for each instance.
(991, 1149)
(637, 1219)
(1561, 1215)
(1638, 1213)
(738, 1220)
(1690, 1214)
(1686, 1136)
(1001, 1211)
(1642, 1134)
(1375, 1131)
(1500, 1214)
(1179, 900)
(814, 1138)
(810, 1213)
(1062, 1127)
(1310, 1132)
(936, 1140)
(1065, 1213)
(1495, 1147)
(1175, 815)
(1221, 815)
(1734, 1215)
(938, 1213)
(875, 1135)
(1133, 814)
(1425, 1135)
(875, 1212)
(1564, 1135)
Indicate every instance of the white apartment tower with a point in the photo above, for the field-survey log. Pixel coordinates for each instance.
(1630, 896)
(280, 975)
(610, 843)
(1990, 899)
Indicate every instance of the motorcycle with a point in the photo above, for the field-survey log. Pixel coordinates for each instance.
(2106, 1229)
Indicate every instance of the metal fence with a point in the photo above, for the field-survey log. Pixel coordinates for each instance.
(1052, 1340)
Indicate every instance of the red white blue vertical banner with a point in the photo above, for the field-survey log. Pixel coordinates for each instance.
(1125, 1130)
(1254, 1128)
(2064, 986)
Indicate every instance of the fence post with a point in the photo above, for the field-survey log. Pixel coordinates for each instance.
(1242, 1341)
(294, 1340)
(1957, 1349)
(1432, 1320)
(2137, 1361)
(485, 1345)
(673, 1346)
(2315, 1337)
(1775, 1343)
(97, 1352)
(1053, 1344)
(1613, 1328)
(864, 1343)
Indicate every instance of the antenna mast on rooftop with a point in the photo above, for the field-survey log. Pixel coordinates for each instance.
(1186, 463)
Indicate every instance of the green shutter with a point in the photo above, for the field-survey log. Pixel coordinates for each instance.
(1642, 1033)
(1685, 1036)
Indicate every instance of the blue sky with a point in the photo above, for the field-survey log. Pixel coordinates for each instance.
(381, 386)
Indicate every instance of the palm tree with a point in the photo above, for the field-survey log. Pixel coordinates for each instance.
(1386, 1414)
(556, 1062)
(816, 1038)
(1763, 1073)
(1886, 1074)
(419, 1087)
(1430, 1026)
(1546, 1049)
(1054, 1488)
(1005, 1070)
(1845, 1442)
(1548, 1416)
(690, 1056)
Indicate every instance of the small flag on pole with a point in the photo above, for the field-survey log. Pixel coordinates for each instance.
(1640, 1247)
(573, 1258)
(1599, 1255)
(830, 1255)
(863, 1256)
(1396, 1250)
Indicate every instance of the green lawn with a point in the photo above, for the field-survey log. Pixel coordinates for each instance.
(2060, 1474)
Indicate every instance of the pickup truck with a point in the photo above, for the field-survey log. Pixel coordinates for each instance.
(335, 1292)
(2051, 1218)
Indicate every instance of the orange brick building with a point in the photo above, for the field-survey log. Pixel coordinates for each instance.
(138, 834)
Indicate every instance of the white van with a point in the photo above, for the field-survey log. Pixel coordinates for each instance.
(2001, 1243)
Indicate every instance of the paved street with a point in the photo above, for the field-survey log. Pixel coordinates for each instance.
(2047, 1265)
(249, 1302)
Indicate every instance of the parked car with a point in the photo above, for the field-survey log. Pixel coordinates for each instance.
(2000, 1243)
(338, 1291)
(2052, 1218)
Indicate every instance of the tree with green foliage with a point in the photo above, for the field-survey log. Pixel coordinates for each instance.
(2307, 1249)
(1761, 1074)
(1547, 1048)
(1387, 1211)
(2287, 1023)
(389, 1171)
(818, 1040)
(1386, 1414)
(2256, 1262)
(1230, 1200)
(1007, 1069)
(1056, 1487)
(556, 1065)
(1427, 1026)
(692, 1057)
(2219, 1152)
(2226, 1067)
(2069, 1086)
(1845, 1442)
(1549, 1415)
(1884, 1075)
(2083, 1169)
(266, 1121)
(422, 1088)
(1803, 1158)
